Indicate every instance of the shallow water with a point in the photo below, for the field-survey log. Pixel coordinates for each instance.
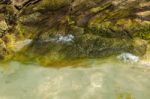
(102, 79)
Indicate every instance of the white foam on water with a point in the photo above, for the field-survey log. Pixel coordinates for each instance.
(67, 38)
(128, 58)
(60, 38)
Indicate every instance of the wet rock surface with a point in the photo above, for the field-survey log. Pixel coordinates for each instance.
(101, 28)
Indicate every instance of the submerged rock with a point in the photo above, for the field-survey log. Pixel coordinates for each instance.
(85, 46)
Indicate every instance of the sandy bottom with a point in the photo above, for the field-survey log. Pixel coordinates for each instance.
(103, 80)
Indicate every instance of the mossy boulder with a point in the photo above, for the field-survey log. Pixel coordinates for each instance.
(84, 46)
(100, 28)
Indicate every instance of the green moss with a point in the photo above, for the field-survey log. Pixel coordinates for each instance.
(51, 4)
(100, 7)
(26, 31)
(10, 41)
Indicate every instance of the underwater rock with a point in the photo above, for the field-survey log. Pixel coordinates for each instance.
(88, 45)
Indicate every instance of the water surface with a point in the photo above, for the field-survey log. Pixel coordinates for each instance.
(102, 79)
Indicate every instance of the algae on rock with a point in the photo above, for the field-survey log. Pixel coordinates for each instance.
(99, 27)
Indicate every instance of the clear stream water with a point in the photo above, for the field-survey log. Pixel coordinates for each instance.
(102, 79)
